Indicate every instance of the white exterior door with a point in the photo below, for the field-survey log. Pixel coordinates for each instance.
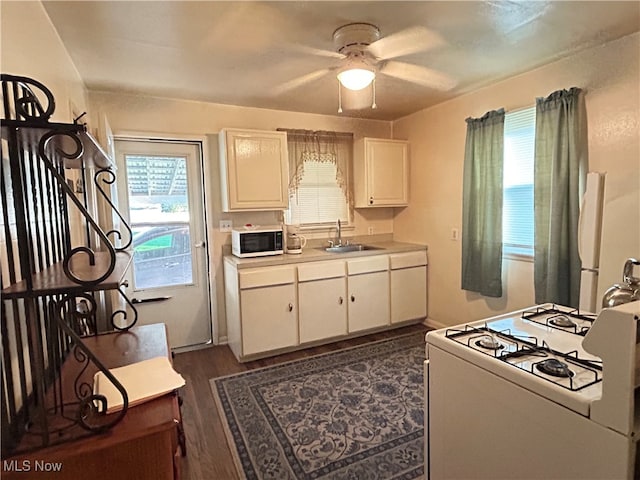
(160, 194)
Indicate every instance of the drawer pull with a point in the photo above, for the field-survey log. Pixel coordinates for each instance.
(340, 300)
(291, 307)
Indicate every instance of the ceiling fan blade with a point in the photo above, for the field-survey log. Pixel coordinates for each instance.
(316, 51)
(299, 81)
(417, 74)
(405, 42)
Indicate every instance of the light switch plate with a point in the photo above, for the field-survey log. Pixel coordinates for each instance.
(226, 225)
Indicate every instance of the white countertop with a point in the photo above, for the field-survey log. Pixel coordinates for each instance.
(314, 254)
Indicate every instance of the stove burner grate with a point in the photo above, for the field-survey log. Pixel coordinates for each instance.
(555, 368)
(488, 341)
(572, 321)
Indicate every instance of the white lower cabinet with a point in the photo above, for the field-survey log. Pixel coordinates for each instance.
(408, 286)
(322, 292)
(262, 313)
(368, 287)
(273, 308)
(268, 318)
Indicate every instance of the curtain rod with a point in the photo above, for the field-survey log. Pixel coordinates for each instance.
(320, 133)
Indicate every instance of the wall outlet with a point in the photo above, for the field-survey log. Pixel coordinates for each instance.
(455, 234)
(226, 225)
(370, 231)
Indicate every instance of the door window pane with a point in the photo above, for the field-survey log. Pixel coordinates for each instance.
(159, 214)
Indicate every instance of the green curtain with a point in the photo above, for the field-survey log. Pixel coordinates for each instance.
(559, 178)
(482, 205)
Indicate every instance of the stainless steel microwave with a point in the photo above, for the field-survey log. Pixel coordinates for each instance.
(258, 242)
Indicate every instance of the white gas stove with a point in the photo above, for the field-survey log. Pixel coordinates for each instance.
(537, 380)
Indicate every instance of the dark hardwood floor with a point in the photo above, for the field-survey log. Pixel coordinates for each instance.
(208, 455)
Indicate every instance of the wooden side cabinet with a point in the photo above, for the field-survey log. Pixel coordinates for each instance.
(381, 173)
(254, 170)
(145, 445)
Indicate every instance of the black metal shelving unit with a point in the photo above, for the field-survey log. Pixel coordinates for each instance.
(55, 261)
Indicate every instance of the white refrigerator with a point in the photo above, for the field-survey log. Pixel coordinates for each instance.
(589, 233)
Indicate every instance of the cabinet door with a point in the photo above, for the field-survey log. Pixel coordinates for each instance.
(323, 309)
(269, 318)
(368, 300)
(387, 172)
(254, 168)
(408, 294)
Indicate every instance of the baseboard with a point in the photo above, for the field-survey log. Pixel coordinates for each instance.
(223, 340)
(430, 323)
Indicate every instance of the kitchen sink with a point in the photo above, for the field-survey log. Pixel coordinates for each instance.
(350, 248)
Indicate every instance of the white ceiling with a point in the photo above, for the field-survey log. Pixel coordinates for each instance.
(239, 53)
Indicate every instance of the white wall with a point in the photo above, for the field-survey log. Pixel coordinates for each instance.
(610, 74)
(31, 47)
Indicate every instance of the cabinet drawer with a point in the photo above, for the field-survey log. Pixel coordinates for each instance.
(409, 259)
(320, 270)
(375, 263)
(265, 276)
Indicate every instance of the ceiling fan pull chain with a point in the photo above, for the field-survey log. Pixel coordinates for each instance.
(339, 98)
(373, 105)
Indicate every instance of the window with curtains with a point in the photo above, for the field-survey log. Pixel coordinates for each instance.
(318, 198)
(320, 178)
(517, 213)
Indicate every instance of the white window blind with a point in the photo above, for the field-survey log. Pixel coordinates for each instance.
(318, 199)
(518, 216)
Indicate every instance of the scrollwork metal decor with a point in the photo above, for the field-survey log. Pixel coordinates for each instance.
(43, 150)
(106, 175)
(91, 406)
(47, 395)
(26, 102)
(124, 314)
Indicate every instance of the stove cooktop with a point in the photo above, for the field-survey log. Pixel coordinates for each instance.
(573, 369)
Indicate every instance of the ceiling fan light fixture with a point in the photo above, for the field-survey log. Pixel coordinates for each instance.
(356, 78)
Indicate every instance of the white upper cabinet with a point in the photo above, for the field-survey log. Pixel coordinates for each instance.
(254, 170)
(381, 171)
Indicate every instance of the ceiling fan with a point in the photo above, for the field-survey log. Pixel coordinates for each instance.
(362, 54)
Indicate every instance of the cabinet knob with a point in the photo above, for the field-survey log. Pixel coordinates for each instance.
(370, 200)
(291, 307)
(340, 300)
(353, 298)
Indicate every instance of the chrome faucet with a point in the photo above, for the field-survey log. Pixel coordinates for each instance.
(339, 239)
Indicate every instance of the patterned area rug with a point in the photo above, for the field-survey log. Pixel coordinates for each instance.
(351, 414)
